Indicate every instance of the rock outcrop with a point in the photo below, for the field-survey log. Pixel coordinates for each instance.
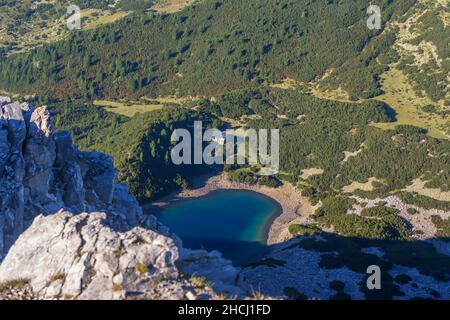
(82, 256)
(68, 231)
(41, 171)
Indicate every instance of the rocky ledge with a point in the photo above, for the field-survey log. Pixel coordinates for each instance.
(67, 231)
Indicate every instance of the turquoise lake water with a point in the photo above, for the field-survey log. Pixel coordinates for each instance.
(234, 222)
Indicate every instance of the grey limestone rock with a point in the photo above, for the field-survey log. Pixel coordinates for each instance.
(41, 171)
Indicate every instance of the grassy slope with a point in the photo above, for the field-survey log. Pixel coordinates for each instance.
(171, 6)
(213, 47)
(37, 29)
(400, 95)
(145, 104)
(127, 109)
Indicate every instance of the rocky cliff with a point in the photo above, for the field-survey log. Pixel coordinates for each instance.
(41, 171)
(68, 231)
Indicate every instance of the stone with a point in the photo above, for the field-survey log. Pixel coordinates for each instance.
(123, 201)
(81, 255)
(39, 154)
(99, 173)
(16, 125)
(73, 190)
(72, 186)
(65, 150)
(220, 272)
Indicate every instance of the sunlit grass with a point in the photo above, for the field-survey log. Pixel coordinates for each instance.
(170, 6)
(125, 109)
(400, 95)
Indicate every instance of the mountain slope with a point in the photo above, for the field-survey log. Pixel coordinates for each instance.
(209, 48)
(27, 24)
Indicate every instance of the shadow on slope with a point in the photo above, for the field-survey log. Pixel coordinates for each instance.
(354, 253)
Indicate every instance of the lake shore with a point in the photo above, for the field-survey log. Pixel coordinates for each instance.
(295, 208)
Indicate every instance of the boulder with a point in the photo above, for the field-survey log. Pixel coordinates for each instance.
(81, 256)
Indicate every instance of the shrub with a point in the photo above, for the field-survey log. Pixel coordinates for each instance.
(11, 284)
(200, 282)
(294, 294)
(402, 279)
(337, 285)
(141, 268)
(269, 262)
(423, 201)
(442, 226)
(374, 223)
(117, 287)
(58, 276)
(304, 230)
(429, 108)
